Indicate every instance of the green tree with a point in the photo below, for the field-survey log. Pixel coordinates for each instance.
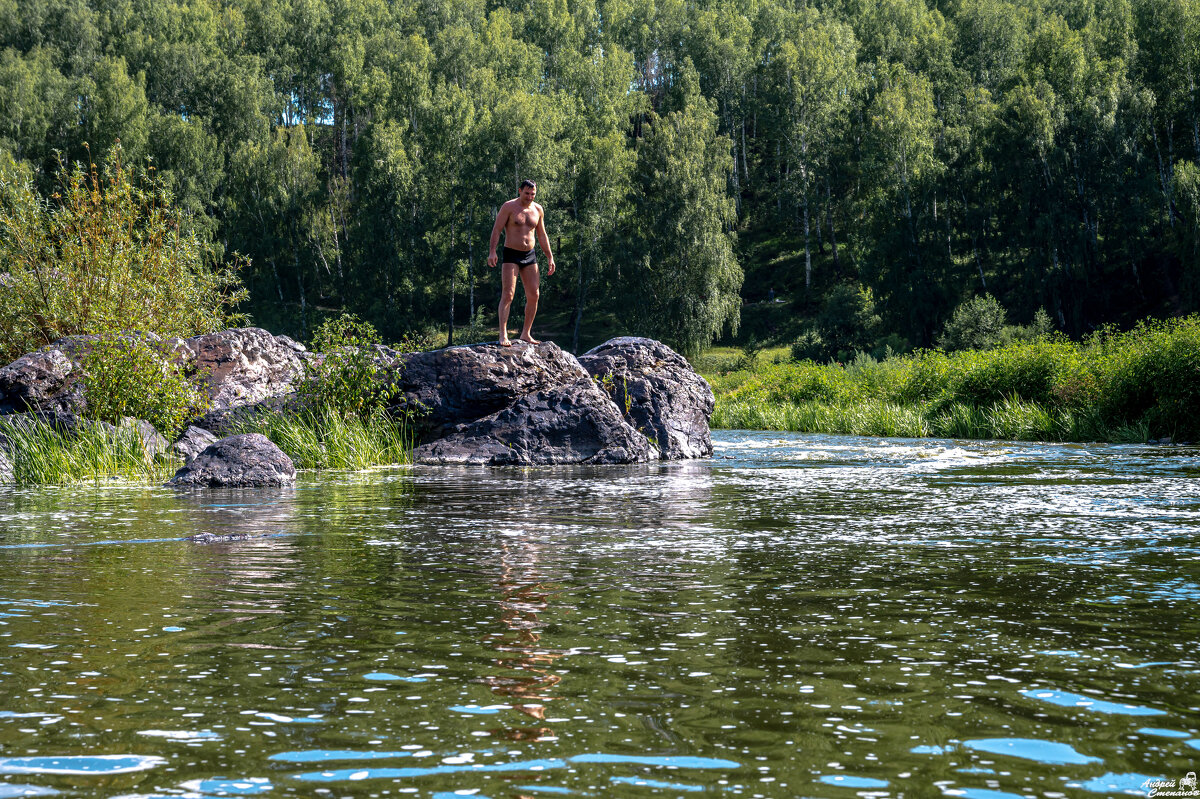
(110, 253)
(685, 290)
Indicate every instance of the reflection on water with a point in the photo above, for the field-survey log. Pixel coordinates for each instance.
(798, 616)
(524, 593)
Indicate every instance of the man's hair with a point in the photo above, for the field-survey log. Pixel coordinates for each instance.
(528, 184)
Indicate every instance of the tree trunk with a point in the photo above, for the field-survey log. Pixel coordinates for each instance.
(807, 254)
(1163, 179)
(453, 271)
(470, 266)
(837, 266)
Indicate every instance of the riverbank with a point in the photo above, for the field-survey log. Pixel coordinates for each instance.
(1135, 386)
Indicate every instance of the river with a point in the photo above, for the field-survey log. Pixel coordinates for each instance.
(797, 616)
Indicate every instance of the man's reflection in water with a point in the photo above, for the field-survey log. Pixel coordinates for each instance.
(524, 593)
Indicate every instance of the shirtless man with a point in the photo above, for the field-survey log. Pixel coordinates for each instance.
(520, 219)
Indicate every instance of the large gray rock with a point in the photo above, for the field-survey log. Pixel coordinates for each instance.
(575, 423)
(243, 365)
(245, 460)
(40, 380)
(659, 390)
(457, 385)
(191, 443)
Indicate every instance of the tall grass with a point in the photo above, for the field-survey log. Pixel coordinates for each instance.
(327, 439)
(40, 454)
(1128, 386)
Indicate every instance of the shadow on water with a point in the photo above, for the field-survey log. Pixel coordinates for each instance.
(800, 615)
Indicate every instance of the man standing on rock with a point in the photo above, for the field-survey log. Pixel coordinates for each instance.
(521, 219)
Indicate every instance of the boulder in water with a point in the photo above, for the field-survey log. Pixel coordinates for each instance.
(660, 392)
(576, 423)
(246, 460)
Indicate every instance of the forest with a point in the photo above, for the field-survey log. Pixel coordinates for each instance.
(870, 163)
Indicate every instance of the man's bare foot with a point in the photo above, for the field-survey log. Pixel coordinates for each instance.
(528, 339)
(505, 342)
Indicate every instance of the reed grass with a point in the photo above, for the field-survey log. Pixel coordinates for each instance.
(41, 454)
(327, 439)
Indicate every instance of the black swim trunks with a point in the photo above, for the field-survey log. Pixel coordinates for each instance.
(521, 258)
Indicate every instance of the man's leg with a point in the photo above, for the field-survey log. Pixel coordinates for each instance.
(508, 289)
(530, 279)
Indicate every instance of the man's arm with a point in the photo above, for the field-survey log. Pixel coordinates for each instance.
(543, 239)
(501, 219)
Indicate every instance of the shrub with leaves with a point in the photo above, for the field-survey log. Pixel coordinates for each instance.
(107, 250)
(977, 324)
(130, 375)
(349, 378)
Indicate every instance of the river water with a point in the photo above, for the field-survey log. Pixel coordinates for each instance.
(798, 616)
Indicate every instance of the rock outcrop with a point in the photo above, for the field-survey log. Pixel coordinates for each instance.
(576, 423)
(450, 387)
(662, 394)
(629, 400)
(244, 365)
(246, 460)
(240, 366)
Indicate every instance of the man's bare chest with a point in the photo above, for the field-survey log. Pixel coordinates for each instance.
(525, 218)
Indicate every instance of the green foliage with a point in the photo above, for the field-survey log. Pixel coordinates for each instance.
(1151, 373)
(980, 324)
(1041, 152)
(479, 330)
(41, 454)
(132, 375)
(809, 346)
(751, 351)
(686, 288)
(109, 252)
(347, 377)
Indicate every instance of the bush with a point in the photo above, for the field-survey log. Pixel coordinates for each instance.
(796, 383)
(1028, 371)
(475, 332)
(349, 378)
(809, 346)
(977, 324)
(848, 321)
(128, 375)
(109, 250)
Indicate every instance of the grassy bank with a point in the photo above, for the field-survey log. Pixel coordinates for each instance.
(1138, 385)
